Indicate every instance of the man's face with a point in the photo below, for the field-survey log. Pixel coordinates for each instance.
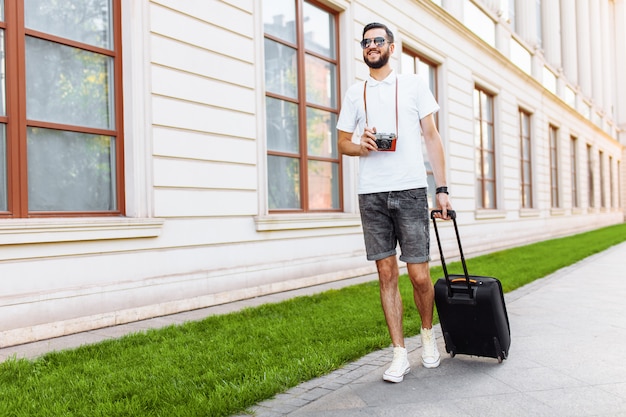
(377, 56)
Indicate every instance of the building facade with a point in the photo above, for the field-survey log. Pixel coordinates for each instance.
(158, 156)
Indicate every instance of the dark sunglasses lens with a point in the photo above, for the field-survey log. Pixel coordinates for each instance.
(379, 41)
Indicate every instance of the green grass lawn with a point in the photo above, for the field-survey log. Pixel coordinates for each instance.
(224, 364)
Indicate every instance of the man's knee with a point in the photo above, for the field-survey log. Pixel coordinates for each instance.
(419, 274)
(387, 269)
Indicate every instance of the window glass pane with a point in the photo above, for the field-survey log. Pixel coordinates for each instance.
(477, 104)
(526, 172)
(524, 124)
(3, 170)
(487, 103)
(525, 149)
(283, 175)
(432, 195)
(282, 125)
(573, 172)
(427, 72)
(323, 185)
(2, 10)
(490, 195)
(489, 143)
(488, 169)
(321, 135)
(526, 197)
(281, 76)
(279, 19)
(319, 31)
(3, 95)
(70, 171)
(479, 22)
(321, 82)
(407, 64)
(87, 21)
(68, 85)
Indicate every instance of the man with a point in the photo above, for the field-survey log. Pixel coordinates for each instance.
(393, 184)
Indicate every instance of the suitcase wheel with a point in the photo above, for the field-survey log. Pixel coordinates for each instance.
(500, 354)
(450, 348)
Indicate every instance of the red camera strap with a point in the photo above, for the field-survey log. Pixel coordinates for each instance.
(365, 103)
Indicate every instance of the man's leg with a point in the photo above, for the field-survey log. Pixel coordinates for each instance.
(392, 307)
(423, 292)
(390, 298)
(424, 296)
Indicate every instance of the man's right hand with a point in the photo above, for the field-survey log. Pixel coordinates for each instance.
(363, 148)
(368, 141)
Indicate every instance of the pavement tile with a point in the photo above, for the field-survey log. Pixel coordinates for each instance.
(581, 401)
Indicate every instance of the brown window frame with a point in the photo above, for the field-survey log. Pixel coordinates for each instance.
(618, 197)
(591, 188)
(553, 138)
(574, 170)
(301, 101)
(482, 152)
(17, 123)
(602, 179)
(526, 188)
(611, 199)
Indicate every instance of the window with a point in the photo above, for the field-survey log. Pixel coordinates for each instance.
(484, 142)
(618, 197)
(413, 63)
(573, 168)
(60, 114)
(301, 106)
(590, 178)
(554, 167)
(611, 184)
(479, 22)
(526, 186)
(602, 184)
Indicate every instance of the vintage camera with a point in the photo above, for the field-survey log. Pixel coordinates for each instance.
(386, 141)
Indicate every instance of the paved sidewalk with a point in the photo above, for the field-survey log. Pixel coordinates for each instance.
(567, 357)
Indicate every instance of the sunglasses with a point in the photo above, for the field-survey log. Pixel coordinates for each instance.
(379, 41)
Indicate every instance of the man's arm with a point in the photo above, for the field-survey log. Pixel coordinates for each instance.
(349, 148)
(436, 156)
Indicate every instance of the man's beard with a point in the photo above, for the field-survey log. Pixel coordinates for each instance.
(382, 60)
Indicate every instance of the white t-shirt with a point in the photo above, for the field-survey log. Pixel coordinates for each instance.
(390, 171)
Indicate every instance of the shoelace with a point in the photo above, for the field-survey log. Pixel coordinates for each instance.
(396, 362)
(429, 346)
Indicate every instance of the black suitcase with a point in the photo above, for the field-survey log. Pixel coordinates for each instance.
(471, 309)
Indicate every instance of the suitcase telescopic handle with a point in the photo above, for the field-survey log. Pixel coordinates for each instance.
(452, 215)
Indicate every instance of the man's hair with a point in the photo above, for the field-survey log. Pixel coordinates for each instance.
(376, 25)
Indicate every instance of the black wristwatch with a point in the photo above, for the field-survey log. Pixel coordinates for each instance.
(442, 189)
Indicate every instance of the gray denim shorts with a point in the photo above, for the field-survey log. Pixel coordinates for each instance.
(396, 217)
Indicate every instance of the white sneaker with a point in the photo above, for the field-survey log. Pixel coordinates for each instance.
(399, 366)
(430, 353)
